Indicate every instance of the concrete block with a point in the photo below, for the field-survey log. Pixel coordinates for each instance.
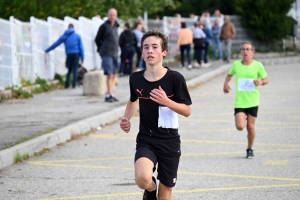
(94, 83)
(52, 140)
(38, 144)
(93, 122)
(5, 94)
(63, 135)
(7, 157)
(84, 126)
(73, 129)
(24, 148)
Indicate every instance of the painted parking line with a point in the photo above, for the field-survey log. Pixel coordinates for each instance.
(178, 191)
(113, 136)
(231, 121)
(276, 162)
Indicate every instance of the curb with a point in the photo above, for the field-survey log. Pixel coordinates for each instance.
(64, 134)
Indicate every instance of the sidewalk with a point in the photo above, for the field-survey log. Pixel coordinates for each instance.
(68, 112)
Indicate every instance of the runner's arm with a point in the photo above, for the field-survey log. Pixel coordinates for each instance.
(263, 81)
(226, 87)
(180, 108)
(130, 110)
(159, 96)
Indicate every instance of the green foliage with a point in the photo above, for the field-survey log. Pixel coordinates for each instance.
(20, 158)
(60, 78)
(88, 8)
(265, 20)
(43, 83)
(20, 93)
(197, 7)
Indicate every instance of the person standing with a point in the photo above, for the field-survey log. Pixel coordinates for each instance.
(74, 50)
(127, 42)
(161, 94)
(249, 75)
(218, 15)
(227, 34)
(107, 41)
(207, 39)
(184, 41)
(217, 44)
(138, 34)
(199, 44)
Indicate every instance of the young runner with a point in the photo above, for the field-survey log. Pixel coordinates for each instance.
(249, 75)
(161, 94)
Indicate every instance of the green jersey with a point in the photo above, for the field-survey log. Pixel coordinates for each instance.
(247, 94)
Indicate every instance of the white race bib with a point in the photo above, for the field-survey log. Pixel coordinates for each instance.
(167, 118)
(246, 84)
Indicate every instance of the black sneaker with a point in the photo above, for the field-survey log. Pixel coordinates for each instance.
(115, 99)
(150, 195)
(109, 99)
(250, 153)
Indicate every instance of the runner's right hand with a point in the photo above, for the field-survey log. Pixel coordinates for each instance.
(226, 88)
(125, 124)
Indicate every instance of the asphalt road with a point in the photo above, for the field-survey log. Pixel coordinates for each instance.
(212, 166)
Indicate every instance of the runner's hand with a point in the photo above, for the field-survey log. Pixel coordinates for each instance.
(258, 82)
(125, 124)
(226, 88)
(159, 96)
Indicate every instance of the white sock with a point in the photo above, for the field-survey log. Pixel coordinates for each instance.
(153, 188)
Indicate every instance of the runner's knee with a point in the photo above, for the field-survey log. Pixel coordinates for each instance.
(143, 181)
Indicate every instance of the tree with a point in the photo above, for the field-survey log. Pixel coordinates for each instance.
(265, 20)
(88, 8)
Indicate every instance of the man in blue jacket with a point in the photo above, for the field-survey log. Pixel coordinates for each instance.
(74, 50)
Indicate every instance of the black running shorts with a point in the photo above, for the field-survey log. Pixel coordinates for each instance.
(248, 111)
(167, 167)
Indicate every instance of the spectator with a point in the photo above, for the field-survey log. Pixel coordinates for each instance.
(218, 15)
(185, 39)
(127, 42)
(227, 34)
(206, 19)
(217, 44)
(144, 26)
(74, 50)
(107, 41)
(138, 34)
(207, 39)
(198, 40)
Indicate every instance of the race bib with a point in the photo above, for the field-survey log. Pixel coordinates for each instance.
(246, 84)
(167, 118)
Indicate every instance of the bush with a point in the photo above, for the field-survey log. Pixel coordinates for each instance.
(265, 20)
(43, 83)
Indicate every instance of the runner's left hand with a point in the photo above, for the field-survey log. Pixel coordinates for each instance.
(159, 96)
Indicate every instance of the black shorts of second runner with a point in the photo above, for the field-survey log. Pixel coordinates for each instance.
(248, 111)
(167, 164)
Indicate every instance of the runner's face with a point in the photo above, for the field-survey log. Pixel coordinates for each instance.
(152, 52)
(246, 51)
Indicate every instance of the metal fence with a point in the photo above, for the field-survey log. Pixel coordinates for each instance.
(23, 44)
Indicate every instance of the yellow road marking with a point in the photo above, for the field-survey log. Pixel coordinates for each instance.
(232, 121)
(238, 152)
(183, 155)
(180, 172)
(241, 176)
(106, 136)
(234, 130)
(178, 191)
(276, 162)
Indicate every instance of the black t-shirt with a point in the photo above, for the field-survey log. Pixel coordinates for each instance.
(174, 85)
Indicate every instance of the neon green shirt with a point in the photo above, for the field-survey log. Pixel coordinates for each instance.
(247, 94)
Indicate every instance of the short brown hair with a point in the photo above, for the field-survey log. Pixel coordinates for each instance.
(159, 34)
(250, 43)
